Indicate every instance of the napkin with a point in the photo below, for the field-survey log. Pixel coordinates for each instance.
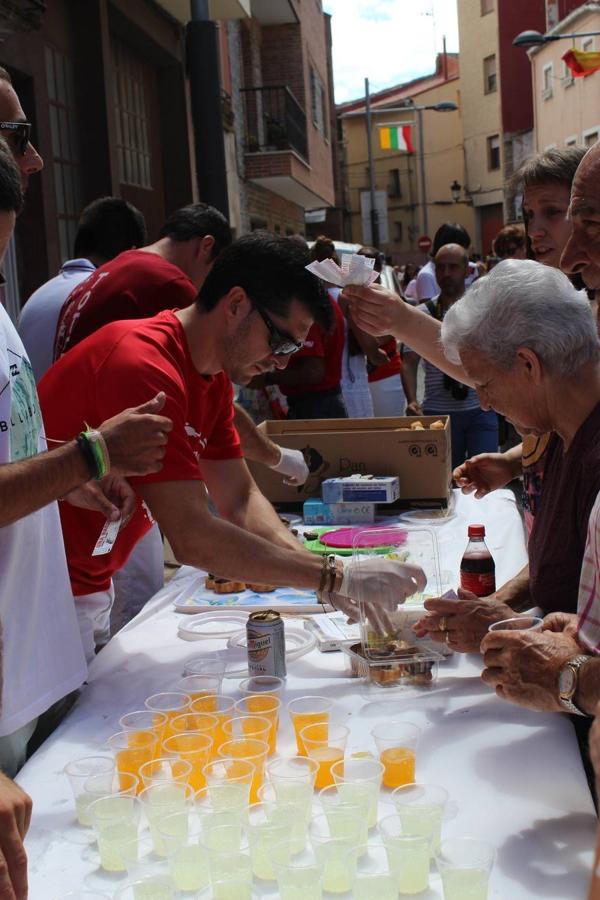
(355, 269)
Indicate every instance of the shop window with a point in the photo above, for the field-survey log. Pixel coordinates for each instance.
(133, 145)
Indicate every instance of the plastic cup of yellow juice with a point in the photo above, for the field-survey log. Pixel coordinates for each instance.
(228, 783)
(465, 865)
(132, 749)
(78, 771)
(309, 710)
(409, 855)
(171, 703)
(252, 751)
(326, 749)
(265, 705)
(396, 744)
(165, 768)
(421, 809)
(361, 770)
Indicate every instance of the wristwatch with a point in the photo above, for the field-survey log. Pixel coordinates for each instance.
(567, 683)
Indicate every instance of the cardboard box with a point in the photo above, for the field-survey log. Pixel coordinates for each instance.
(422, 460)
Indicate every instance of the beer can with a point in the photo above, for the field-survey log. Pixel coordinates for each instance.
(266, 643)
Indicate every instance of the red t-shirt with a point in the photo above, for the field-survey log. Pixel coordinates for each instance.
(392, 367)
(329, 347)
(133, 285)
(123, 365)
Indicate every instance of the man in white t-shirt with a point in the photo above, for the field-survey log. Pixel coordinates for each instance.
(107, 227)
(449, 233)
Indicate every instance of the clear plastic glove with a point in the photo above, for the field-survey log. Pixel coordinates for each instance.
(381, 585)
(293, 465)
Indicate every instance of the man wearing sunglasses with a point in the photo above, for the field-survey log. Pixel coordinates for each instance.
(16, 130)
(252, 315)
(473, 429)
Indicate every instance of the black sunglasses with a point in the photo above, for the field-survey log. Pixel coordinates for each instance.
(22, 132)
(457, 390)
(281, 344)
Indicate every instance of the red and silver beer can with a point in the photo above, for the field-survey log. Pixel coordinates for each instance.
(266, 643)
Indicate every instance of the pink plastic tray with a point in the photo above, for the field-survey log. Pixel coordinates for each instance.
(343, 538)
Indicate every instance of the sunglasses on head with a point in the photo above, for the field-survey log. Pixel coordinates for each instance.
(21, 131)
(281, 344)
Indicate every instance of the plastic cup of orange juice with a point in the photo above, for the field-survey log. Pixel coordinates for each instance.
(217, 705)
(193, 747)
(131, 750)
(171, 703)
(145, 720)
(257, 727)
(309, 710)
(265, 705)
(195, 686)
(261, 684)
(190, 721)
(325, 749)
(252, 751)
(396, 744)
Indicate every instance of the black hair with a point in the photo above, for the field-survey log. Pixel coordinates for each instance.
(271, 270)
(450, 233)
(107, 227)
(11, 190)
(198, 220)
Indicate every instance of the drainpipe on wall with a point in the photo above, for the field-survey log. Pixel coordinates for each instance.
(202, 54)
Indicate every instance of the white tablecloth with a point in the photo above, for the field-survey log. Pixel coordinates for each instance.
(515, 776)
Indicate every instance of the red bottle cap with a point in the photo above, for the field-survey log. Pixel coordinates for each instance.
(476, 531)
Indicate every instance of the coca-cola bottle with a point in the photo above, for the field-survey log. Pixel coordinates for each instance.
(477, 567)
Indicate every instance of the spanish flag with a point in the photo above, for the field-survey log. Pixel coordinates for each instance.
(582, 63)
(396, 137)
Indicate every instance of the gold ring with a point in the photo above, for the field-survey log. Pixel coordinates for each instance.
(443, 624)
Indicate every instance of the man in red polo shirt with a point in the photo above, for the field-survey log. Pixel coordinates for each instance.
(311, 382)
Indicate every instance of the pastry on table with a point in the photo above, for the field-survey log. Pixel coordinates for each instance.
(223, 585)
(260, 588)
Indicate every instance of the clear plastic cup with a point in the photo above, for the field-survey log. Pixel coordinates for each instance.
(264, 705)
(465, 865)
(518, 623)
(396, 744)
(336, 850)
(228, 783)
(132, 749)
(197, 686)
(214, 664)
(326, 746)
(261, 684)
(193, 747)
(145, 720)
(204, 722)
(115, 820)
(374, 880)
(181, 834)
(140, 857)
(309, 710)
(78, 771)
(265, 828)
(153, 887)
(165, 768)
(251, 751)
(256, 727)
(220, 706)
(339, 809)
(105, 784)
(299, 874)
(171, 703)
(295, 811)
(420, 808)
(211, 816)
(228, 855)
(361, 770)
(160, 800)
(408, 855)
(82, 895)
(291, 770)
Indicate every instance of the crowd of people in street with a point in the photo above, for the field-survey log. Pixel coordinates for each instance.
(117, 399)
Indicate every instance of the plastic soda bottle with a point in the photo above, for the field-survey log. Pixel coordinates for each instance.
(477, 567)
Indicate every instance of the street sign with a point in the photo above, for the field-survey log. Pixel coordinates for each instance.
(424, 243)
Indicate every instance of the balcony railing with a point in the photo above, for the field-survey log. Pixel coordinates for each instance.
(274, 120)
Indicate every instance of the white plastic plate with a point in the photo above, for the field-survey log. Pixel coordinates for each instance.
(215, 624)
(298, 641)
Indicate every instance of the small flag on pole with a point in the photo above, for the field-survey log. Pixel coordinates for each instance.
(396, 137)
(582, 63)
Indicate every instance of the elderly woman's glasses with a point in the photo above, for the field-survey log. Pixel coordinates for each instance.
(22, 133)
(281, 343)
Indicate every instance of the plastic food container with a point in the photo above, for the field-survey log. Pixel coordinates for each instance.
(393, 666)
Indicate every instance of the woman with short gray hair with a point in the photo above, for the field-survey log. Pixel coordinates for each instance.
(528, 342)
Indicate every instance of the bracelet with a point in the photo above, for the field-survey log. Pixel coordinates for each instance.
(331, 571)
(95, 452)
(324, 574)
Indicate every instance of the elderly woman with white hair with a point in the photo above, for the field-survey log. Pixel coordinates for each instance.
(528, 342)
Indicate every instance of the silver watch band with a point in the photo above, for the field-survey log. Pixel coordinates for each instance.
(575, 664)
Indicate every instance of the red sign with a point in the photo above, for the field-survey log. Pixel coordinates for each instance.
(424, 243)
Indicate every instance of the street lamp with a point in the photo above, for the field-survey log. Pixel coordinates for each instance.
(527, 39)
(455, 189)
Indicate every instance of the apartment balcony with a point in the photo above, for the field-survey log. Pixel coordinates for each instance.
(276, 144)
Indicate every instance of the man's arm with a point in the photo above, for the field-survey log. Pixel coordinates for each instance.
(15, 815)
(410, 368)
(237, 498)
(200, 539)
(378, 311)
(255, 444)
(516, 592)
(135, 440)
(587, 694)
